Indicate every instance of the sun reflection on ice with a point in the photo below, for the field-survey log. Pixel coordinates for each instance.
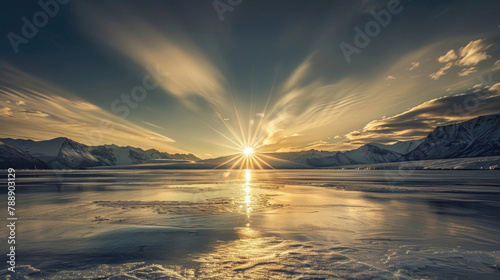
(247, 196)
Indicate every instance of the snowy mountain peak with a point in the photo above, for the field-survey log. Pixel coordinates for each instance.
(401, 147)
(472, 138)
(63, 153)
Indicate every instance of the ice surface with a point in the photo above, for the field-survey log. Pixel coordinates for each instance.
(287, 224)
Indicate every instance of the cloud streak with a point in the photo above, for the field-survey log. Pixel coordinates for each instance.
(441, 72)
(191, 74)
(39, 110)
(422, 119)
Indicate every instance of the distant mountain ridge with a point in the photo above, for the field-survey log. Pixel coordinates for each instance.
(367, 154)
(12, 157)
(64, 153)
(478, 137)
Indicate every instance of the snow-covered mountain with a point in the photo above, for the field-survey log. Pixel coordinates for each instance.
(44, 150)
(367, 154)
(64, 153)
(474, 138)
(301, 158)
(400, 147)
(12, 157)
(478, 137)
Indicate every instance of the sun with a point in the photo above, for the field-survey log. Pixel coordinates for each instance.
(248, 151)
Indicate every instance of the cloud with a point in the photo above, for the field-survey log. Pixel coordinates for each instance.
(49, 112)
(306, 107)
(496, 65)
(153, 125)
(299, 75)
(192, 77)
(473, 53)
(35, 113)
(294, 135)
(441, 72)
(469, 55)
(318, 107)
(390, 77)
(20, 102)
(467, 71)
(421, 120)
(6, 112)
(449, 56)
(414, 65)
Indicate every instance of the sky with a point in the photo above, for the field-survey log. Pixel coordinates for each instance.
(212, 77)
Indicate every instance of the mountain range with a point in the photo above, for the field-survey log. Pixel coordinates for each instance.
(478, 137)
(64, 153)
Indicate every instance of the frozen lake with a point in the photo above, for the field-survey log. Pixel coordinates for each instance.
(257, 224)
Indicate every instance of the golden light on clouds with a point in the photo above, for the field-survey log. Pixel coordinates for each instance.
(190, 73)
(35, 109)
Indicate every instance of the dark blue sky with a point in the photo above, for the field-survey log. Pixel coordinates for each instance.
(285, 54)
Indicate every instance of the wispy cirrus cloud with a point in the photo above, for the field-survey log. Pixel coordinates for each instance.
(414, 65)
(306, 89)
(36, 109)
(467, 71)
(191, 74)
(496, 65)
(306, 102)
(441, 72)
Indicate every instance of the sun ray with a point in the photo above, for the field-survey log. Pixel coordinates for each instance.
(236, 163)
(252, 160)
(233, 133)
(247, 143)
(243, 163)
(258, 164)
(257, 130)
(261, 160)
(239, 123)
(234, 158)
(226, 137)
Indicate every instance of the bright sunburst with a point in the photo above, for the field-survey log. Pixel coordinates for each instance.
(246, 136)
(248, 151)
